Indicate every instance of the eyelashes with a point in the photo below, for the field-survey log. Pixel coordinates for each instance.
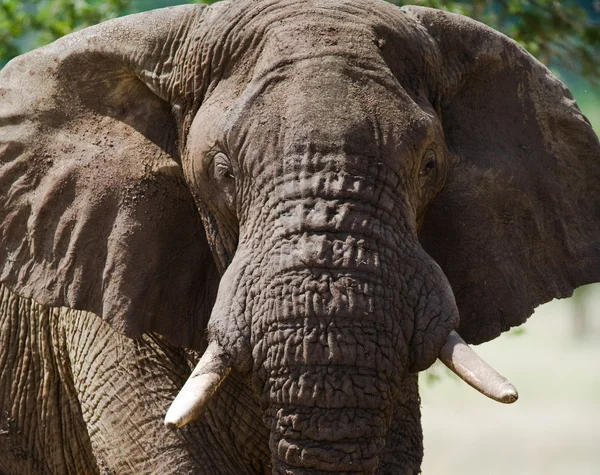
(222, 169)
(429, 166)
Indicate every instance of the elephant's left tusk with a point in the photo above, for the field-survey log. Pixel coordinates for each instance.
(192, 401)
(468, 366)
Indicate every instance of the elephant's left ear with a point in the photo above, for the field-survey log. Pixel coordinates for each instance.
(94, 210)
(518, 221)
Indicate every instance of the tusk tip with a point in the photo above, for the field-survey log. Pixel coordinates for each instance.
(188, 406)
(194, 397)
(508, 395)
(171, 425)
(174, 421)
(468, 366)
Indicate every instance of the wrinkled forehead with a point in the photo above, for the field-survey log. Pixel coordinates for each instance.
(256, 37)
(317, 73)
(330, 104)
(314, 34)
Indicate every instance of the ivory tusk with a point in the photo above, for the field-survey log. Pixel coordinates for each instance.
(192, 401)
(468, 366)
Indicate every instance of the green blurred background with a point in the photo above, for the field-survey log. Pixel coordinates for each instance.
(554, 359)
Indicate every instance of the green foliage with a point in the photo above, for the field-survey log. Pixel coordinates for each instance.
(136, 6)
(27, 24)
(562, 35)
(517, 332)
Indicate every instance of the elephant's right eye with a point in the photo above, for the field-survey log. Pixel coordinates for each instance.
(222, 169)
(222, 174)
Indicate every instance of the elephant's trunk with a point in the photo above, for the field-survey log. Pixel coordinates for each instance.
(329, 376)
(333, 334)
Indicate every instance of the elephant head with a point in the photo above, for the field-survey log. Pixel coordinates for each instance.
(353, 176)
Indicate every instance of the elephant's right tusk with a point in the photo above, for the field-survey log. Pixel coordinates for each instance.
(192, 401)
(468, 366)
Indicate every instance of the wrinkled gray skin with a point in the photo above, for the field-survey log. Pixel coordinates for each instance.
(351, 175)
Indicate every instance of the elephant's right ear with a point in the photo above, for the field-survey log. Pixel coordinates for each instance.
(94, 211)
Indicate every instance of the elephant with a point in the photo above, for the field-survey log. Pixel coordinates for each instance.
(232, 235)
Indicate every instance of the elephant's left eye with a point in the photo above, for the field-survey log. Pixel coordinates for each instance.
(429, 165)
(222, 168)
